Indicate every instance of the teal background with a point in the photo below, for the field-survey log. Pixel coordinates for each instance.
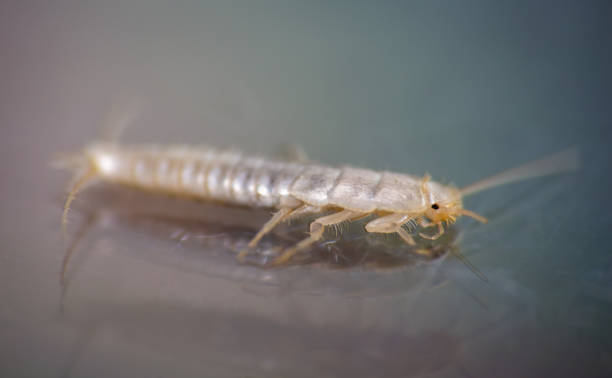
(461, 90)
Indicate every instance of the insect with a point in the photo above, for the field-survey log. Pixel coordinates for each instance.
(397, 201)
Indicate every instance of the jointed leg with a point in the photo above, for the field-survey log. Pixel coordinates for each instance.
(276, 219)
(303, 210)
(392, 224)
(283, 214)
(317, 227)
(405, 236)
(435, 236)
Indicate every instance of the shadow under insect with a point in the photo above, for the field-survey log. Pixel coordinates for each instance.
(350, 246)
(223, 230)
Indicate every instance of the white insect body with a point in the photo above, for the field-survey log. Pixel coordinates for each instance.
(293, 188)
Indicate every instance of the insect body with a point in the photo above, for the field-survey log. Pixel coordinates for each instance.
(293, 189)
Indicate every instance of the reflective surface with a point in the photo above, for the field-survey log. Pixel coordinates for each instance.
(460, 91)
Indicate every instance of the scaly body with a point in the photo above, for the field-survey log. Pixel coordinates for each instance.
(233, 178)
(292, 188)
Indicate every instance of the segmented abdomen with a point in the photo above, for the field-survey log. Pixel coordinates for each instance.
(233, 178)
(208, 174)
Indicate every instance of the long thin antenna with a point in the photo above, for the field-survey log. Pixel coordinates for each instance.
(564, 161)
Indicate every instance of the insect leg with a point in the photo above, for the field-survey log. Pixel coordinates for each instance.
(303, 210)
(406, 236)
(391, 224)
(317, 227)
(434, 236)
(276, 219)
(283, 214)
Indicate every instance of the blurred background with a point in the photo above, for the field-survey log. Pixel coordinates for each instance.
(461, 90)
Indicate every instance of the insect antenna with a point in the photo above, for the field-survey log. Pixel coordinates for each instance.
(472, 214)
(564, 161)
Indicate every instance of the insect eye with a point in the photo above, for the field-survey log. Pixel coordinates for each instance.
(435, 206)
